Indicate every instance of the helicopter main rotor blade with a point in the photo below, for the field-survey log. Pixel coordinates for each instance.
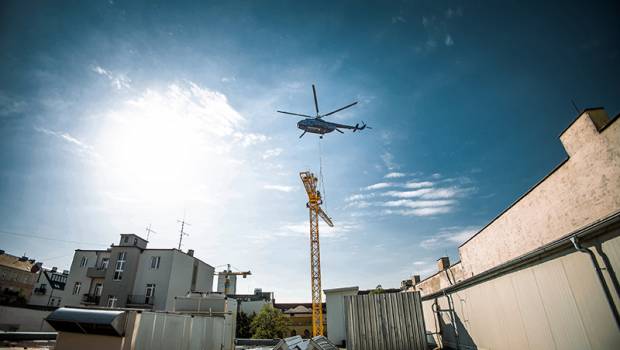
(297, 114)
(316, 103)
(339, 109)
(340, 131)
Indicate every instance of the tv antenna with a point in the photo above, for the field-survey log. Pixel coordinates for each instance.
(149, 231)
(182, 232)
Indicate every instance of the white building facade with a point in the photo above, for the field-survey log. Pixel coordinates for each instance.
(130, 275)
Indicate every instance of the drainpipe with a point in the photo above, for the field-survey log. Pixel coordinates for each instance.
(601, 278)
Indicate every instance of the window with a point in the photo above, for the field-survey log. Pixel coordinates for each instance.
(112, 301)
(126, 239)
(135, 241)
(150, 294)
(98, 289)
(76, 288)
(84, 261)
(155, 262)
(120, 266)
(104, 263)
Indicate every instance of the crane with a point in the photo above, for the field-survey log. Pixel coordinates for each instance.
(314, 205)
(227, 273)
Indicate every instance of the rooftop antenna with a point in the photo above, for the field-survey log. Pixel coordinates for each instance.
(149, 231)
(575, 106)
(182, 232)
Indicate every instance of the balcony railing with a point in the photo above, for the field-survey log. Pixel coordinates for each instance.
(96, 272)
(40, 291)
(90, 299)
(141, 300)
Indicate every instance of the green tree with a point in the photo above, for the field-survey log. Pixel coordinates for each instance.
(270, 323)
(378, 290)
(244, 321)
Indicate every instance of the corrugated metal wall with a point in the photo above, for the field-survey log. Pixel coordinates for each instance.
(556, 303)
(174, 331)
(390, 321)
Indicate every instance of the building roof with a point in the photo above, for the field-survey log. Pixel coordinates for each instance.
(17, 263)
(290, 306)
(343, 289)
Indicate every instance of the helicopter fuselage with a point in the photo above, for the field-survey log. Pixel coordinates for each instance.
(316, 126)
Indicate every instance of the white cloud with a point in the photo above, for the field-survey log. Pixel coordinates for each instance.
(418, 204)
(79, 146)
(359, 196)
(398, 19)
(302, 229)
(274, 152)
(414, 184)
(426, 193)
(119, 81)
(448, 237)
(249, 139)
(394, 175)
(388, 160)
(280, 188)
(379, 186)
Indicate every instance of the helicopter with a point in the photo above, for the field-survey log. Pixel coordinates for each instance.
(317, 125)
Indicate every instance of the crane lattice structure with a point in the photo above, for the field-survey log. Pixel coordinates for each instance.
(314, 205)
(229, 273)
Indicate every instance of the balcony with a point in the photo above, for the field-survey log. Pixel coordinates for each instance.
(40, 291)
(96, 272)
(141, 301)
(91, 299)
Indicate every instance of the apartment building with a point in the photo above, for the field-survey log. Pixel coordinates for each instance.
(131, 275)
(49, 287)
(17, 277)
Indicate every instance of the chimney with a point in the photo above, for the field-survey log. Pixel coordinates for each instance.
(584, 130)
(54, 269)
(443, 263)
(65, 272)
(190, 252)
(415, 279)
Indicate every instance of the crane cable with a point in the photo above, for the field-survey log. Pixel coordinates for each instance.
(321, 179)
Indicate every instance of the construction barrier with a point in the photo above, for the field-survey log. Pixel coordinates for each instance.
(387, 321)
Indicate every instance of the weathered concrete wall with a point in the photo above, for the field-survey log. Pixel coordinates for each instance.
(24, 319)
(557, 303)
(584, 189)
(440, 280)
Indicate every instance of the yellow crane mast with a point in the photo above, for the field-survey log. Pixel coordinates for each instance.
(314, 205)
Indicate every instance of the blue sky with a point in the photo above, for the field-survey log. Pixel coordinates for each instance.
(115, 115)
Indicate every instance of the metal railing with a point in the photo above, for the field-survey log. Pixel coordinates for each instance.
(91, 299)
(140, 300)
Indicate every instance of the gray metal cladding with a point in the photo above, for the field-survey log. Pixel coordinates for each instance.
(390, 321)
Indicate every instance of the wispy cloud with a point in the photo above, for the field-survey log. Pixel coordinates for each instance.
(426, 193)
(418, 184)
(419, 197)
(378, 186)
(359, 196)
(449, 41)
(301, 229)
(274, 152)
(449, 236)
(78, 145)
(388, 160)
(394, 175)
(119, 81)
(280, 188)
